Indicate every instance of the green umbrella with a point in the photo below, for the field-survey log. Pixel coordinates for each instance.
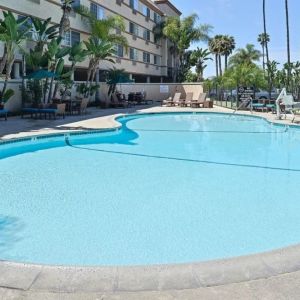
(41, 74)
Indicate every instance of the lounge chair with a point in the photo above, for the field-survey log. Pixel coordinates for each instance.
(170, 101)
(4, 113)
(81, 107)
(187, 100)
(116, 102)
(259, 105)
(200, 101)
(271, 106)
(52, 110)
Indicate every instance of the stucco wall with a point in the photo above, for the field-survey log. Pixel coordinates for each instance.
(14, 104)
(153, 89)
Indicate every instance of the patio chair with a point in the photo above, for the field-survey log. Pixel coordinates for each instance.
(259, 105)
(4, 113)
(271, 106)
(117, 102)
(170, 101)
(81, 106)
(132, 98)
(187, 100)
(200, 101)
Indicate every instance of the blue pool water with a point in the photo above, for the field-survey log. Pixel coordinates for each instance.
(168, 188)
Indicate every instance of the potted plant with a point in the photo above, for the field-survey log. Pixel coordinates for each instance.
(5, 97)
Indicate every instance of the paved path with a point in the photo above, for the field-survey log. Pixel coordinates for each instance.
(95, 119)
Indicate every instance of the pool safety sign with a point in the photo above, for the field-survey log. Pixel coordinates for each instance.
(164, 89)
(245, 93)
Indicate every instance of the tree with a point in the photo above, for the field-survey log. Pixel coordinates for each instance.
(265, 35)
(64, 24)
(101, 44)
(42, 33)
(264, 39)
(221, 45)
(191, 76)
(228, 47)
(246, 56)
(214, 47)
(288, 42)
(98, 51)
(182, 33)
(199, 58)
(245, 74)
(12, 32)
(115, 76)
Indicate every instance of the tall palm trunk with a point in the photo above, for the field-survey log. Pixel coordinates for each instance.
(264, 58)
(288, 42)
(217, 64)
(265, 30)
(220, 65)
(226, 62)
(266, 46)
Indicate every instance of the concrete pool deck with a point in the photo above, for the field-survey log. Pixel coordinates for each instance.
(272, 275)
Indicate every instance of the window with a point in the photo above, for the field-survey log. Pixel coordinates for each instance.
(71, 38)
(157, 18)
(134, 4)
(156, 59)
(146, 11)
(156, 40)
(119, 50)
(133, 54)
(97, 11)
(75, 38)
(146, 34)
(76, 4)
(146, 57)
(133, 28)
(25, 26)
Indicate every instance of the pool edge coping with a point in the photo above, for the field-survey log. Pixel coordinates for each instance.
(161, 277)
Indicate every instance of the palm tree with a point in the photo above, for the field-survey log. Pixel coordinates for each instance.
(264, 39)
(64, 24)
(42, 33)
(181, 33)
(101, 45)
(98, 51)
(219, 47)
(199, 57)
(228, 47)
(12, 32)
(265, 31)
(214, 49)
(247, 56)
(288, 42)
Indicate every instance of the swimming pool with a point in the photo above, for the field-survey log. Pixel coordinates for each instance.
(166, 188)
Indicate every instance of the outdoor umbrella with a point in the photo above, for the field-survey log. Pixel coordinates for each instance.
(41, 74)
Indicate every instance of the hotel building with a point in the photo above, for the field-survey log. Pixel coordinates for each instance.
(147, 59)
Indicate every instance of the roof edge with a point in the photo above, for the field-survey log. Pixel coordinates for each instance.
(172, 6)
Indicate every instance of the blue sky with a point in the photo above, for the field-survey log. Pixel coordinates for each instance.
(243, 20)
